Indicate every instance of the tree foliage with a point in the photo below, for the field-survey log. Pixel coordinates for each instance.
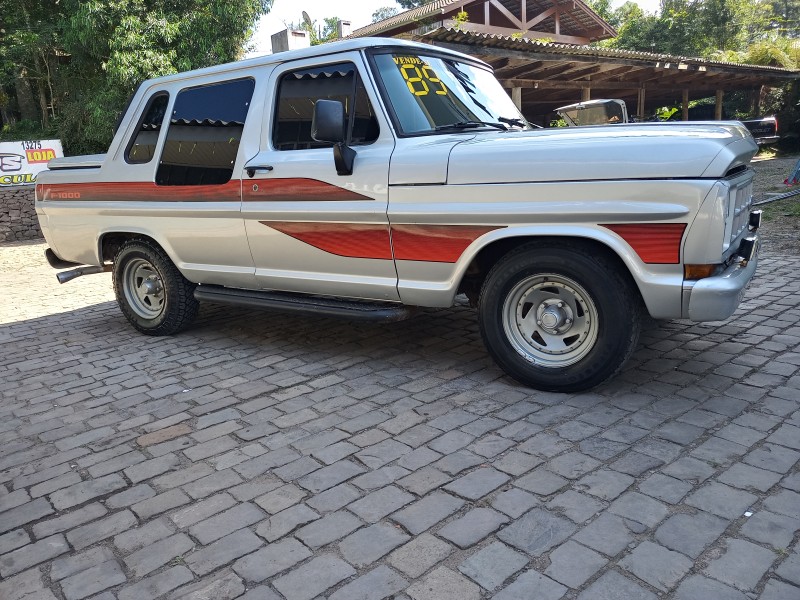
(407, 4)
(765, 33)
(384, 12)
(78, 60)
(691, 27)
(317, 34)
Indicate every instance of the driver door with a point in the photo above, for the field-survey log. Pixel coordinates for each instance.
(311, 230)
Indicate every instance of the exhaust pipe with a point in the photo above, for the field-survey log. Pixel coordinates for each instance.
(66, 276)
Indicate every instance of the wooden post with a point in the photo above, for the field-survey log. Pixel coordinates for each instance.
(516, 97)
(685, 105)
(718, 106)
(586, 94)
(640, 103)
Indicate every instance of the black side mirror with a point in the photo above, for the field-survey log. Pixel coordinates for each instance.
(328, 125)
(328, 122)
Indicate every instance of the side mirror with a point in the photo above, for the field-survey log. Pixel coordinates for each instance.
(328, 125)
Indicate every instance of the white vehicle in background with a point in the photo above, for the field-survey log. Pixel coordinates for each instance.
(594, 112)
(363, 178)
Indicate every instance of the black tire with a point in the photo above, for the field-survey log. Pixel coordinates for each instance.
(152, 294)
(559, 318)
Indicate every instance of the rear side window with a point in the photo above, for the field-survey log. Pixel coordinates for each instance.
(299, 91)
(204, 132)
(142, 146)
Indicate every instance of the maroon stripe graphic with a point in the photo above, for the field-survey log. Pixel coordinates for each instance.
(424, 243)
(139, 191)
(297, 189)
(293, 189)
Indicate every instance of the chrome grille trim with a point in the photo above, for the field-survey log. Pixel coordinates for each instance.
(741, 201)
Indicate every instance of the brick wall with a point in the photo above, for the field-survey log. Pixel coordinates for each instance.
(17, 216)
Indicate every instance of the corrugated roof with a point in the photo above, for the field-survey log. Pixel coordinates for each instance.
(404, 18)
(445, 34)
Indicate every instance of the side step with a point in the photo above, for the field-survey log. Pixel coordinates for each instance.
(382, 312)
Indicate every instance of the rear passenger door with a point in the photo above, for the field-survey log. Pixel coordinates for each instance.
(311, 230)
(183, 187)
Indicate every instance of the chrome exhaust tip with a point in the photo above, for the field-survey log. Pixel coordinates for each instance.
(66, 276)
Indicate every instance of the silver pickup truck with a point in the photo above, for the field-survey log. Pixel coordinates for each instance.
(364, 178)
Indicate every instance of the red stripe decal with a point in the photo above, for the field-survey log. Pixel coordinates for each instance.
(428, 243)
(655, 243)
(353, 240)
(434, 243)
(297, 189)
(266, 190)
(139, 191)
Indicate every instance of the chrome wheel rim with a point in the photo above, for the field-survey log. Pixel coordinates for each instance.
(550, 320)
(144, 289)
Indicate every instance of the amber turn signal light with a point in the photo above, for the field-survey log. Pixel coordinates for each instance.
(698, 271)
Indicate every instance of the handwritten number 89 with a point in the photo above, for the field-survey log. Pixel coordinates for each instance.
(415, 82)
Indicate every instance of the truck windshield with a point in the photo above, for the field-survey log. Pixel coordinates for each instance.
(430, 93)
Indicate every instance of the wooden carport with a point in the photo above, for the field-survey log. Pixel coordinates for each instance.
(539, 50)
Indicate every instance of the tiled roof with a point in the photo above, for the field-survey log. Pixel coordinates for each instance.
(580, 18)
(478, 40)
(404, 18)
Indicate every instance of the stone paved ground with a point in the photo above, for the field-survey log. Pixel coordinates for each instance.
(260, 456)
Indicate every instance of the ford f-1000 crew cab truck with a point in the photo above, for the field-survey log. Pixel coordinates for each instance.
(370, 176)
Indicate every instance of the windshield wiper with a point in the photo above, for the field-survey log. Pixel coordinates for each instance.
(513, 121)
(471, 125)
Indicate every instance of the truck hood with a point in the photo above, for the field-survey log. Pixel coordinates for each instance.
(613, 152)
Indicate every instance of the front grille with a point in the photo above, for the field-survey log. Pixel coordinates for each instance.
(741, 199)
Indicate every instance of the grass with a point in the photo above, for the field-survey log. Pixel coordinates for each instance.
(766, 152)
(789, 207)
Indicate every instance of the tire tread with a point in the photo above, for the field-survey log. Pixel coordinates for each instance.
(181, 309)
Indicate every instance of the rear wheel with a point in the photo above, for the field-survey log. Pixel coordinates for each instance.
(560, 319)
(152, 294)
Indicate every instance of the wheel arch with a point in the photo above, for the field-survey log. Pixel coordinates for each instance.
(484, 258)
(109, 242)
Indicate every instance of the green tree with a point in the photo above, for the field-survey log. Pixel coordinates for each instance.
(731, 24)
(784, 17)
(407, 4)
(605, 10)
(690, 27)
(317, 34)
(97, 51)
(29, 56)
(384, 12)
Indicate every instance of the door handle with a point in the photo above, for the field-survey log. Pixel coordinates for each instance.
(252, 170)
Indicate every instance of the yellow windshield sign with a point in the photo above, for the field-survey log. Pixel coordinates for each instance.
(419, 76)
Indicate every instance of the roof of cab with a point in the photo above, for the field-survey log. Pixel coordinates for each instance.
(311, 52)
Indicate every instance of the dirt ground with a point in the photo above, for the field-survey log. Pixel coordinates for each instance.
(781, 224)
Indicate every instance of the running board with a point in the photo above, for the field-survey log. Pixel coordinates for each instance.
(383, 312)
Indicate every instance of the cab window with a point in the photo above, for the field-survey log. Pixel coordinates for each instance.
(204, 132)
(298, 91)
(142, 146)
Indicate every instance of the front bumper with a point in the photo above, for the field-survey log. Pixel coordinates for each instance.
(716, 298)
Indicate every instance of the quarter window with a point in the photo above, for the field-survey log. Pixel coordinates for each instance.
(299, 91)
(205, 129)
(143, 145)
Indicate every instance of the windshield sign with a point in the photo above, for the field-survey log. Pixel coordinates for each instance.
(429, 93)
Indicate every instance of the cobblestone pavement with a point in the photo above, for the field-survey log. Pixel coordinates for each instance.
(260, 456)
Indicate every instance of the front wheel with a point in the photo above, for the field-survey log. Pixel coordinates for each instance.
(152, 294)
(559, 319)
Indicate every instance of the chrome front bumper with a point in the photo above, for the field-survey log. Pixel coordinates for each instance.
(716, 298)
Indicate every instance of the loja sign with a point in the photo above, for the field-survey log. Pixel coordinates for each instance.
(21, 162)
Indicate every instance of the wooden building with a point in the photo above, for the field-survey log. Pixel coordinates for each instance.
(540, 52)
